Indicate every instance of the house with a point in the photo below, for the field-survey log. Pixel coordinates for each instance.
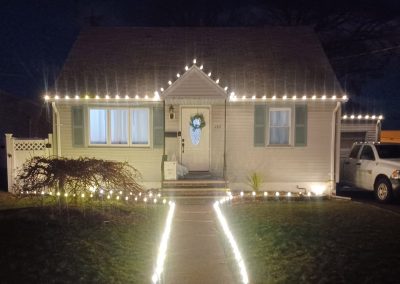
(222, 101)
(359, 128)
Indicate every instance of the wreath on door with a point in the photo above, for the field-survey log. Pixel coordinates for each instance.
(196, 123)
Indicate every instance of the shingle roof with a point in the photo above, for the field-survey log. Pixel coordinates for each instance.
(250, 61)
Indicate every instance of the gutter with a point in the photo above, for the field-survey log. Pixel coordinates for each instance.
(58, 128)
(333, 145)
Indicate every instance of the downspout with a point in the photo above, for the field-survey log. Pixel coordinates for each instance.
(378, 130)
(333, 147)
(58, 128)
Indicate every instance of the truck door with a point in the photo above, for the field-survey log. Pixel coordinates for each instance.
(350, 166)
(365, 178)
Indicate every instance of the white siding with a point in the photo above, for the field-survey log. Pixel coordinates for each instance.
(279, 165)
(146, 159)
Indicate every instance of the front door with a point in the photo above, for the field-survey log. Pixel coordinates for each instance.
(195, 144)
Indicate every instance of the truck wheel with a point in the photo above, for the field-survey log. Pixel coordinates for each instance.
(383, 190)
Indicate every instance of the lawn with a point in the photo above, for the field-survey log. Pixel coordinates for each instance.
(316, 241)
(113, 243)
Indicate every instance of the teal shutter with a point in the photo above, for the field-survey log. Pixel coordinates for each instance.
(158, 127)
(78, 130)
(300, 125)
(259, 125)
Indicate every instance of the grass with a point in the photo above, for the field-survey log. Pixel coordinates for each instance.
(110, 244)
(316, 242)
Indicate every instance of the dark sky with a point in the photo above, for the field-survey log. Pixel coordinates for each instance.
(361, 38)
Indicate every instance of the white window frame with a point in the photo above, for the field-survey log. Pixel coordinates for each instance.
(290, 126)
(108, 127)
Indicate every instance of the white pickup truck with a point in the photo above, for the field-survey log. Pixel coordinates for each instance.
(373, 166)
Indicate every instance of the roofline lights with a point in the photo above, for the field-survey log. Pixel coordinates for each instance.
(187, 68)
(362, 117)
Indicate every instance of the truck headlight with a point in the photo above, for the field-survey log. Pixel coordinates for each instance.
(395, 174)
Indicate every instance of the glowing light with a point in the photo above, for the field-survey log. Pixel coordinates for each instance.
(284, 97)
(150, 194)
(273, 97)
(107, 97)
(294, 98)
(253, 193)
(108, 196)
(324, 97)
(135, 198)
(126, 198)
(243, 97)
(146, 97)
(217, 81)
(137, 97)
(118, 197)
(253, 97)
(201, 67)
(241, 193)
(373, 117)
(264, 97)
(162, 89)
(352, 116)
(57, 97)
(58, 193)
(164, 201)
(117, 97)
(140, 194)
(304, 97)
(265, 193)
(308, 193)
(169, 83)
(46, 97)
(344, 97)
(333, 97)
(232, 242)
(209, 74)
(86, 97)
(226, 88)
(111, 192)
(158, 194)
(145, 199)
(277, 193)
(91, 195)
(82, 195)
(314, 97)
(186, 68)
(162, 250)
(318, 189)
(97, 97)
(367, 116)
(42, 192)
(194, 60)
(380, 117)
(178, 75)
(345, 116)
(289, 194)
(359, 116)
(155, 200)
(101, 191)
(67, 97)
(66, 194)
(76, 97)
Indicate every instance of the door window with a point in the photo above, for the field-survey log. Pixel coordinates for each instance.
(354, 152)
(367, 153)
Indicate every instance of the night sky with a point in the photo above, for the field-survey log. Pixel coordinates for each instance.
(361, 38)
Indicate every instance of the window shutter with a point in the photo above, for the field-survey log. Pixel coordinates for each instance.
(301, 125)
(78, 136)
(158, 127)
(259, 125)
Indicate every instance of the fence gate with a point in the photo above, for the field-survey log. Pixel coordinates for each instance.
(19, 150)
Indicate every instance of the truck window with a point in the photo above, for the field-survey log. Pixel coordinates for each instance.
(354, 151)
(367, 153)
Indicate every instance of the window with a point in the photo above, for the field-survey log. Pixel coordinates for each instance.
(389, 151)
(367, 153)
(119, 126)
(354, 152)
(279, 126)
(98, 126)
(140, 126)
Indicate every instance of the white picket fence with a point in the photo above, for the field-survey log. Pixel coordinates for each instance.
(19, 150)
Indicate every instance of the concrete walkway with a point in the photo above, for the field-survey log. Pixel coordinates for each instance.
(195, 250)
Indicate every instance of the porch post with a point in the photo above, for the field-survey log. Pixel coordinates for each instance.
(224, 170)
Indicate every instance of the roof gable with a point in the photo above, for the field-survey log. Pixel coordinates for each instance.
(194, 84)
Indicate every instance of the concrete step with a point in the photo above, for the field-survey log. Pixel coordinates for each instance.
(194, 191)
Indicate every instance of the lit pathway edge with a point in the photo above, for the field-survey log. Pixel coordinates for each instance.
(232, 242)
(162, 250)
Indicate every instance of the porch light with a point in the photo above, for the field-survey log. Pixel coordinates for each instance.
(373, 117)
(108, 196)
(42, 192)
(171, 111)
(159, 195)
(66, 194)
(308, 194)
(58, 193)
(164, 201)
(243, 97)
(135, 198)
